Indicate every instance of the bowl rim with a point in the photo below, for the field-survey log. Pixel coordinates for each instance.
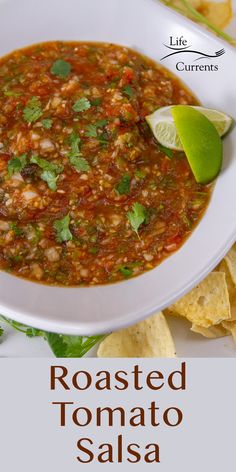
(81, 328)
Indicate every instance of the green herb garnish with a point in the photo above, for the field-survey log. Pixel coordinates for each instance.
(80, 163)
(61, 68)
(140, 174)
(62, 228)
(126, 271)
(71, 346)
(93, 250)
(96, 102)
(128, 91)
(75, 156)
(137, 217)
(50, 178)
(82, 104)
(103, 139)
(168, 152)
(123, 187)
(11, 93)
(92, 130)
(101, 123)
(17, 230)
(46, 165)
(47, 123)
(33, 111)
(75, 143)
(61, 345)
(16, 164)
(50, 171)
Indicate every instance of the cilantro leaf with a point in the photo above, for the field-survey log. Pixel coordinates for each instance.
(50, 178)
(80, 163)
(123, 187)
(61, 68)
(61, 345)
(101, 123)
(137, 217)
(128, 91)
(96, 102)
(16, 164)
(140, 174)
(47, 123)
(1, 331)
(17, 230)
(75, 143)
(50, 171)
(11, 93)
(91, 131)
(32, 112)
(103, 138)
(62, 228)
(82, 104)
(169, 153)
(31, 332)
(125, 271)
(46, 165)
(71, 346)
(75, 156)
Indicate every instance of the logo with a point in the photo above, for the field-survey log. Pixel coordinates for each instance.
(187, 55)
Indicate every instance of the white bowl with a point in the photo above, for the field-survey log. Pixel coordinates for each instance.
(144, 25)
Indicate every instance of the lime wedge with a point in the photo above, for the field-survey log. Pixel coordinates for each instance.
(201, 142)
(163, 127)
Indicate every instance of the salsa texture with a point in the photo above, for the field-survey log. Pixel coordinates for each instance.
(87, 196)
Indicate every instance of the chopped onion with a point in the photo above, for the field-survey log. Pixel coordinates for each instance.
(17, 176)
(52, 254)
(4, 226)
(47, 145)
(148, 257)
(37, 271)
(29, 195)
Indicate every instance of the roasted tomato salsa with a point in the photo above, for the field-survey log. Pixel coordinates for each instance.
(87, 196)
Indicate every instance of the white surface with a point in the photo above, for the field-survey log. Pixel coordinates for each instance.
(188, 344)
(221, 96)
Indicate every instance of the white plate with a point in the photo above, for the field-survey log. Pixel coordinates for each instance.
(143, 25)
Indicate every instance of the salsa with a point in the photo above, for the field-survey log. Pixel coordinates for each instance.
(87, 196)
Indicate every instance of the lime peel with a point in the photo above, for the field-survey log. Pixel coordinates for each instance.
(201, 142)
(163, 127)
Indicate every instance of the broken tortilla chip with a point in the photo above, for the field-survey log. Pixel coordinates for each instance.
(223, 267)
(230, 260)
(177, 3)
(218, 13)
(213, 332)
(207, 304)
(231, 326)
(150, 338)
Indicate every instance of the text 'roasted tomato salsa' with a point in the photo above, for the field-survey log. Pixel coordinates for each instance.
(87, 196)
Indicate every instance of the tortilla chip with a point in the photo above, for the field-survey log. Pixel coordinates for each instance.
(177, 3)
(213, 332)
(230, 260)
(150, 338)
(218, 13)
(223, 267)
(231, 326)
(207, 304)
